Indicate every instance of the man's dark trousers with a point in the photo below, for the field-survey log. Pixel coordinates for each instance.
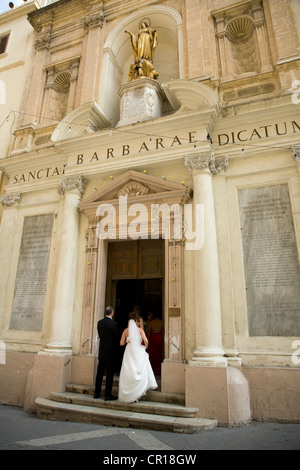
(110, 369)
(108, 353)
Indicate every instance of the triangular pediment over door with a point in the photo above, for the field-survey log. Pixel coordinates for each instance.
(139, 188)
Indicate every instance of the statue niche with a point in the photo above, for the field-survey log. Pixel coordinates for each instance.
(143, 46)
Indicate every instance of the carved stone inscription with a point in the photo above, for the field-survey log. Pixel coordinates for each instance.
(271, 261)
(32, 272)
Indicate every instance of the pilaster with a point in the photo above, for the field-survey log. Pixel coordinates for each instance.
(10, 203)
(92, 24)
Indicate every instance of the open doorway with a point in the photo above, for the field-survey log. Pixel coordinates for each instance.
(135, 277)
(147, 294)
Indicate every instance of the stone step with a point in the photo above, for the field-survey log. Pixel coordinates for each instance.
(149, 407)
(151, 395)
(55, 410)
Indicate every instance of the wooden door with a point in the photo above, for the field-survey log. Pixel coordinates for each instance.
(142, 259)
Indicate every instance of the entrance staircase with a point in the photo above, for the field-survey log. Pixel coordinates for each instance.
(156, 411)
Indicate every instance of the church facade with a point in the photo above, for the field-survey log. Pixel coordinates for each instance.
(155, 160)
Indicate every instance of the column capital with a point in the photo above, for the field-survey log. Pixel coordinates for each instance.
(69, 183)
(205, 160)
(296, 153)
(9, 200)
(199, 161)
(219, 164)
(42, 41)
(94, 20)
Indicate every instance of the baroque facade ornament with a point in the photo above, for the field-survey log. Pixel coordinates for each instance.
(70, 183)
(205, 160)
(216, 166)
(296, 153)
(42, 41)
(9, 200)
(94, 20)
(133, 188)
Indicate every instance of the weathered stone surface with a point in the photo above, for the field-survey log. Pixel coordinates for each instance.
(32, 274)
(110, 416)
(271, 263)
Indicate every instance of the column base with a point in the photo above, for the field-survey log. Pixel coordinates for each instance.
(233, 358)
(56, 350)
(208, 362)
(208, 357)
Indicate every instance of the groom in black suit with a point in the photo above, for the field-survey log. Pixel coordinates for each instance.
(108, 353)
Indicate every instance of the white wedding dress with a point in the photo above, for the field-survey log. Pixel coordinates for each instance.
(136, 376)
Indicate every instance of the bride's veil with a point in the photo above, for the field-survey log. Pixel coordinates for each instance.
(134, 334)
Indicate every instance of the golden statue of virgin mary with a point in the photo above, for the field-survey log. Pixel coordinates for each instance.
(143, 46)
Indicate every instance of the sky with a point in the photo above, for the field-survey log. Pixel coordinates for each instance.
(4, 4)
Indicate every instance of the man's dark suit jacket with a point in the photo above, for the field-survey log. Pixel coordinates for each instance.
(109, 344)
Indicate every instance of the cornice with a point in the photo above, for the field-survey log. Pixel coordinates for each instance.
(22, 10)
(41, 18)
(236, 8)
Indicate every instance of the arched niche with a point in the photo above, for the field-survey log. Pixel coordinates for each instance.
(118, 54)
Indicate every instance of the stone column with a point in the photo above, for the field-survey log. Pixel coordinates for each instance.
(71, 188)
(209, 349)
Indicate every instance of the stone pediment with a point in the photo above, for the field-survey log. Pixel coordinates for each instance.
(138, 187)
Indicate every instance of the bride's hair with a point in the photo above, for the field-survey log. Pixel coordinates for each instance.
(133, 316)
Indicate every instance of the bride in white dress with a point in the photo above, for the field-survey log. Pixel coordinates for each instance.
(136, 376)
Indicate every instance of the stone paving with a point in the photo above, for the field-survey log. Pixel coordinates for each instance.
(20, 430)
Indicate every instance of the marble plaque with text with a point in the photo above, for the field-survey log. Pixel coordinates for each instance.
(271, 261)
(32, 273)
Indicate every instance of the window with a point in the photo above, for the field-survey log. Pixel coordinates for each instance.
(3, 43)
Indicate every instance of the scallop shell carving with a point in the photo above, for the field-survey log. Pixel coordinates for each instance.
(133, 188)
(239, 29)
(62, 81)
